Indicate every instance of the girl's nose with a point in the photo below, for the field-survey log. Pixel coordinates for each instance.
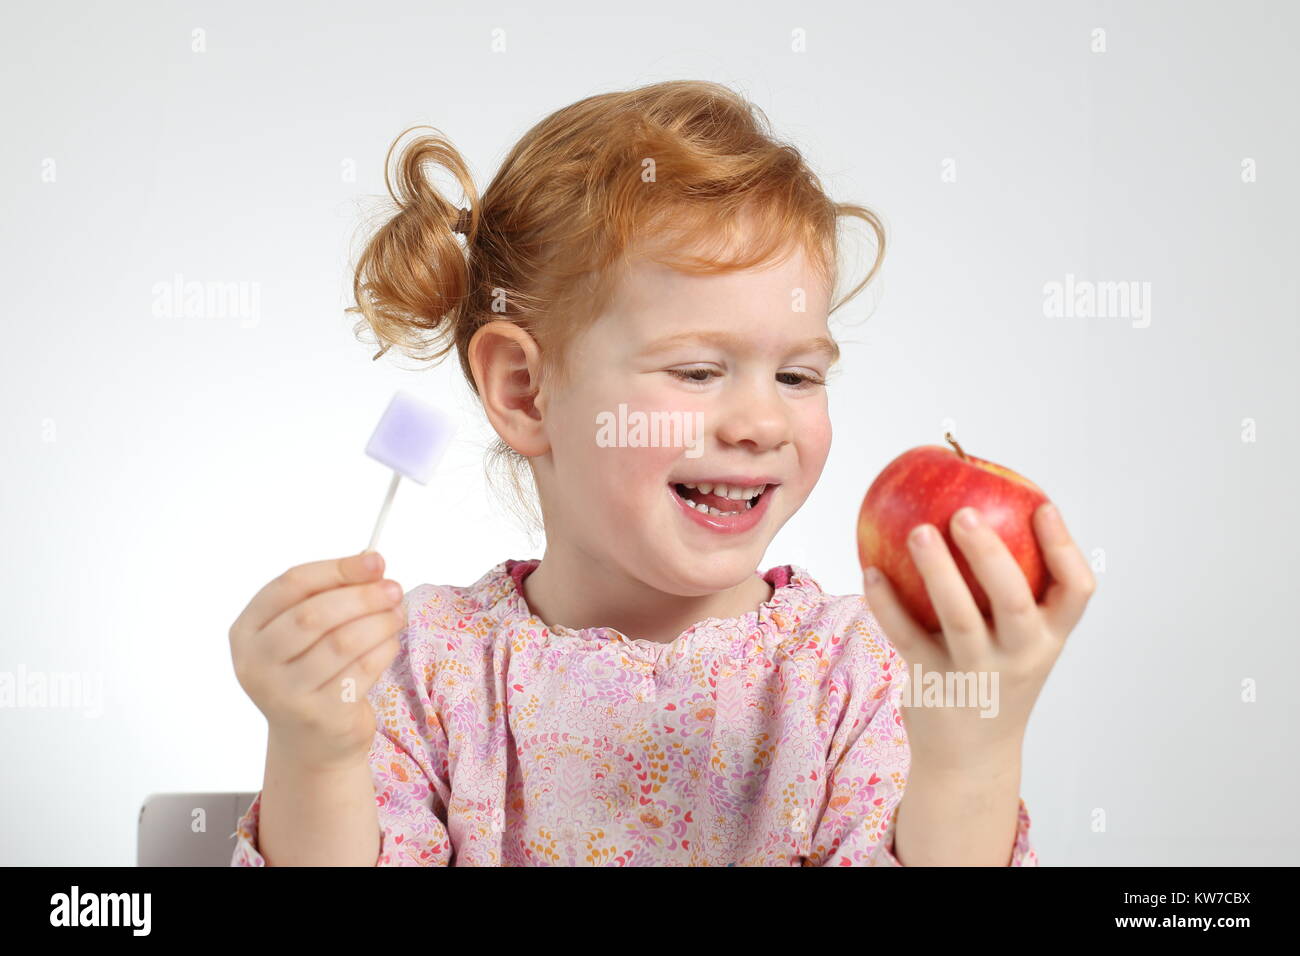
(753, 416)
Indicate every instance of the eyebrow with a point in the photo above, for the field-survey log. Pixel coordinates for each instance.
(820, 345)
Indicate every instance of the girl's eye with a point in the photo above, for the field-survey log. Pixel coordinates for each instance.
(701, 376)
(687, 374)
(802, 381)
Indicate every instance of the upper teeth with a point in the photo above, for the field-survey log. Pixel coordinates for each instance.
(726, 491)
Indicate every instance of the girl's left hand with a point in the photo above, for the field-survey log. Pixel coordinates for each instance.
(1021, 648)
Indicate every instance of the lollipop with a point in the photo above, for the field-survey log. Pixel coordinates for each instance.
(410, 439)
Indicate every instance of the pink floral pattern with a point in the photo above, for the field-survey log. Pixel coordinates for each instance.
(771, 739)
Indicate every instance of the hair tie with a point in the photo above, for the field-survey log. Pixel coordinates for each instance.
(462, 223)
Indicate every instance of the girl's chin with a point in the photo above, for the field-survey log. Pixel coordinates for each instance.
(715, 564)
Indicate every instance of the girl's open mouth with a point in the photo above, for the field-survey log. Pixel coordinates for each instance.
(722, 508)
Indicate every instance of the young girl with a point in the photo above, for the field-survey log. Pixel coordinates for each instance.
(641, 695)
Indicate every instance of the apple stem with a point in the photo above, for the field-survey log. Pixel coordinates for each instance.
(952, 441)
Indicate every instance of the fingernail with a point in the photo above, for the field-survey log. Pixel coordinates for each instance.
(922, 535)
(1050, 512)
(967, 518)
(872, 577)
(371, 561)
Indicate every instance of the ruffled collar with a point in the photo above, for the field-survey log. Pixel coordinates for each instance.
(794, 595)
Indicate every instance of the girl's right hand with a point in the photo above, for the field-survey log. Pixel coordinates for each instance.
(307, 650)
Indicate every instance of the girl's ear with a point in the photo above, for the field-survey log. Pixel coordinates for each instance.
(507, 367)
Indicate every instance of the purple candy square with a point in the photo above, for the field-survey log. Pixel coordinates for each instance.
(411, 437)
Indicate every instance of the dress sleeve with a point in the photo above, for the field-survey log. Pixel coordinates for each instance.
(408, 762)
(868, 762)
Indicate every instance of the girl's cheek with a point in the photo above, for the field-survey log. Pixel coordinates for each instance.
(629, 449)
(816, 429)
(813, 439)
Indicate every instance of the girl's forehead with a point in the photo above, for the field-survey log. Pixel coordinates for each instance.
(649, 289)
(671, 327)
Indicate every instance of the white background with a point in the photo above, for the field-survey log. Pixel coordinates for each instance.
(158, 471)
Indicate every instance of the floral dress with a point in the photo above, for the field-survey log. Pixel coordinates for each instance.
(771, 739)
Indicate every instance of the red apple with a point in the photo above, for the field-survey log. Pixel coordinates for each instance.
(927, 485)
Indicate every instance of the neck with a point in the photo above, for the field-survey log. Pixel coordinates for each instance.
(575, 590)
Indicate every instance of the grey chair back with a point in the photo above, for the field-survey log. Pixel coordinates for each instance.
(189, 829)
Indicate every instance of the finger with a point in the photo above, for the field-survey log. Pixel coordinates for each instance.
(963, 625)
(291, 634)
(363, 672)
(1016, 617)
(1073, 583)
(335, 650)
(908, 637)
(304, 580)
